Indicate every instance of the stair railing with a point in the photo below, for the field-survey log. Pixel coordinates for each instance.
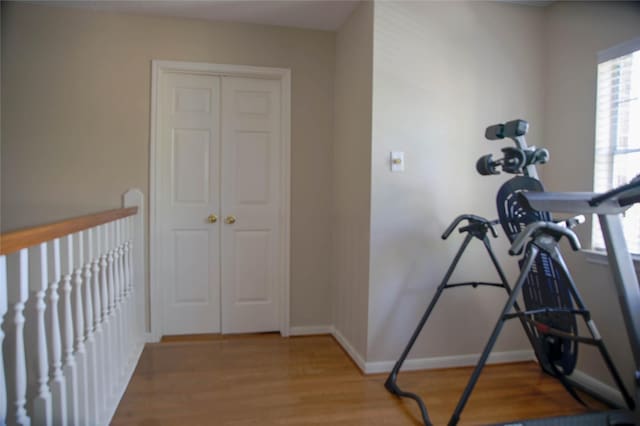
(71, 315)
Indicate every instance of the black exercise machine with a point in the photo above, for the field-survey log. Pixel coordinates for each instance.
(552, 301)
(609, 208)
(476, 227)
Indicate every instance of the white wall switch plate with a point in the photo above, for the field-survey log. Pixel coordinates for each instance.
(397, 161)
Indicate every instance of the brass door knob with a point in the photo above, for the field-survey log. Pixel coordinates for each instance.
(212, 218)
(230, 220)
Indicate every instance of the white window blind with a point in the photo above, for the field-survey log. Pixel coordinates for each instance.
(617, 147)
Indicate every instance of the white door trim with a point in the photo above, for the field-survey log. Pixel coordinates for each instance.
(282, 74)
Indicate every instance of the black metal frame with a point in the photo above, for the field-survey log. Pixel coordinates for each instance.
(477, 227)
(544, 239)
(541, 243)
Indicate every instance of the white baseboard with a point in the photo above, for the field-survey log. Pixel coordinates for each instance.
(151, 338)
(310, 330)
(428, 363)
(293, 331)
(350, 350)
(449, 361)
(601, 389)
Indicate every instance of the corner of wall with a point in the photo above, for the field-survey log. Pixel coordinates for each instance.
(352, 180)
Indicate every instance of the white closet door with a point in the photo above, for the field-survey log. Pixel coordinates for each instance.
(188, 193)
(251, 140)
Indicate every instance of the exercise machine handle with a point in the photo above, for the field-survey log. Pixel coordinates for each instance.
(455, 224)
(549, 228)
(627, 194)
(472, 219)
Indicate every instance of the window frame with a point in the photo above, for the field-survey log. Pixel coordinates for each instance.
(593, 255)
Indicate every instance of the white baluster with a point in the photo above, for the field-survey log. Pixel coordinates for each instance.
(125, 295)
(118, 295)
(78, 322)
(131, 325)
(3, 311)
(18, 293)
(68, 360)
(121, 303)
(113, 344)
(56, 378)
(90, 343)
(39, 281)
(98, 331)
(125, 300)
(117, 311)
(106, 315)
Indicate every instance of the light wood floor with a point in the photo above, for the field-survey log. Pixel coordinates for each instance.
(269, 380)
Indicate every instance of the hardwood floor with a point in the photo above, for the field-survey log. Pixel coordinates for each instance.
(269, 380)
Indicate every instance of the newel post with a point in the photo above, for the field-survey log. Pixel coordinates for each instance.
(135, 198)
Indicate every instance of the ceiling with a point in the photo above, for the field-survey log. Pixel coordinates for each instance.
(312, 14)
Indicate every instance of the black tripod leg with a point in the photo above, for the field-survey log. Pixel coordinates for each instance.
(573, 290)
(505, 283)
(535, 343)
(390, 383)
(531, 255)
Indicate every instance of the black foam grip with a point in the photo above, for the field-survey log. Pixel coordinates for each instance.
(494, 132)
(541, 156)
(515, 128)
(486, 166)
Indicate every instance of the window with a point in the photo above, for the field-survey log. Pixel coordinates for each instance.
(617, 148)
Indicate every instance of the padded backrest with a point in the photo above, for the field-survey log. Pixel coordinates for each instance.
(513, 212)
(547, 283)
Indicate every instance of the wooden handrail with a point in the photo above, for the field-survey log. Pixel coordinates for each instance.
(23, 238)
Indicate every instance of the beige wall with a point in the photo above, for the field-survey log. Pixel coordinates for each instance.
(574, 33)
(76, 94)
(352, 176)
(442, 72)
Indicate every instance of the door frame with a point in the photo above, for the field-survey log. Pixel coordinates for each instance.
(160, 67)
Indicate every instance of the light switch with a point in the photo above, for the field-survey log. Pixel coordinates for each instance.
(397, 161)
